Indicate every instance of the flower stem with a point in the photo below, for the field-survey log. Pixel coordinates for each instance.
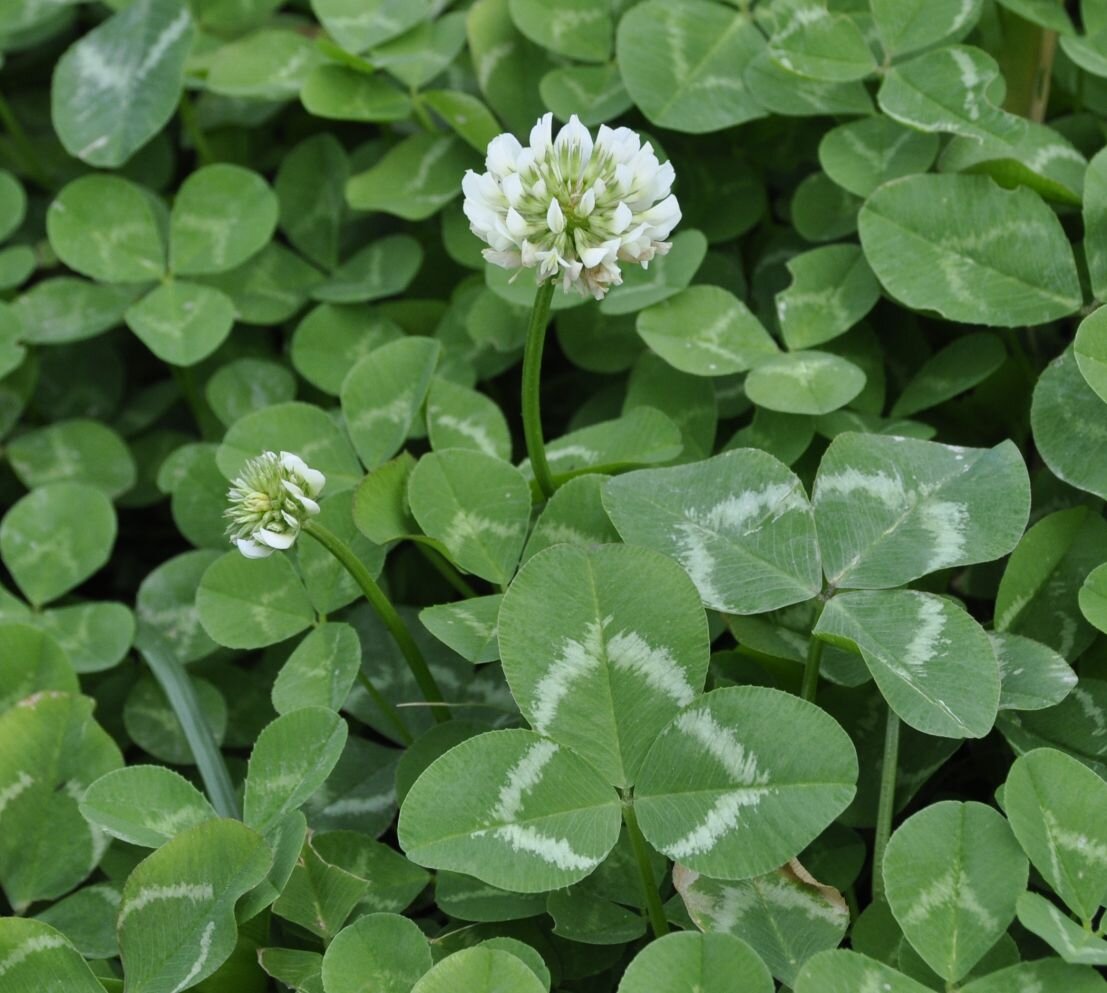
(654, 908)
(191, 123)
(886, 803)
(810, 685)
(386, 612)
(177, 686)
(443, 567)
(532, 376)
(31, 163)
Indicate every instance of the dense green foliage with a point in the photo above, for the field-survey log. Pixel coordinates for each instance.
(798, 679)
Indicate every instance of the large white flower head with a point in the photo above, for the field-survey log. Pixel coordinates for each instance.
(270, 500)
(572, 208)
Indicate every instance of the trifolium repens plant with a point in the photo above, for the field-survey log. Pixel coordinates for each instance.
(269, 501)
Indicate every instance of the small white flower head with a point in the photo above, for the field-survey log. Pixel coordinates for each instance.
(571, 208)
(270, 500)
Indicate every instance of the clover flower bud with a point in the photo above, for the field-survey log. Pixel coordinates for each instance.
(270, 500)
(570, 207)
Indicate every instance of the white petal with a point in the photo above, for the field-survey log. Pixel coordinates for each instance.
(513, 188)
(587, 203)
(309, 505)
(575, 135)
(251, 549)
(504, 259)
(516, 223)
(555, 219)
(503, 151)
(621, 219)
(593, 256)
(275, 540)
(541, 135)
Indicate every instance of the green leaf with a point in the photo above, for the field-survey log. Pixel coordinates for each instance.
(507, 64)
(36, 956)
(964, 363)
(574, 515)
(1069, 429)
(166, 601)
(414, 179)
(223, 215)
(1033, 676)
(807, 39)
(1039, 590)
(55, 537)
(50, 750)
(78, 451)
(832, 289)
(1050, 974)
(864, 154)
(1041, 12)
(378, 953)
(418, 56)
(840, 971)
(1090, 349)
(380, 509)
(291, 759)
(33, 662)
(119, 85)
(577, 29)
(458, 417)
(643, 436)
(270, 64)
(476, 505)
(470, 119)
(890, 510)
(176, 922)
(244, 385)
(182, 322)
(480, 970)
(311, 188)
(513, 809)
(696, 963)
(682, 64)
(953, 90)
(1095, 223)
(722, 793)
(13, 204)
(739, 523)
(380, 269)
(156, 726)
(300, 970)
(953, 873)
(330, 587)
(251, 603)
(784, 915)
(107, 228)
(595, 93)
(593, 660)
(1054, 803)
(64, 309)
(933, 662)
(296, 427)
(1075, 944)
(909, 25)
(469, 627)
(320, 671)
(145, 805)
(331, 339)
(335, 92)
(360, 24)
(807, 382)
(383, 393)
(268, 288)
(705, 331)
(973, 252)
(781, 91)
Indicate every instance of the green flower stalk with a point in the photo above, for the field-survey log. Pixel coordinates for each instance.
(272, 500)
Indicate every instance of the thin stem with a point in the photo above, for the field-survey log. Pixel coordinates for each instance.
(446, 570)
(31, 162)
(386, 612)
(195, 133)
(810, 685)
(654, 908)
(886, 803)
(178, 688)
(532, 376)
(386, 708)
(421, 115)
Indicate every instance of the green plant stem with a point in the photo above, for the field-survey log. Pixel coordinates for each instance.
(386, 708)
(532, 384)
(886, 804)
(386, 612)
(654, 908)
(421, 115)
(810, 685)
(31, 162)
(177, 686)
(446, 570)
(191, 124)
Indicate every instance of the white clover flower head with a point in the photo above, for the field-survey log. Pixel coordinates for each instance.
(270, 500)
(572, 208)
